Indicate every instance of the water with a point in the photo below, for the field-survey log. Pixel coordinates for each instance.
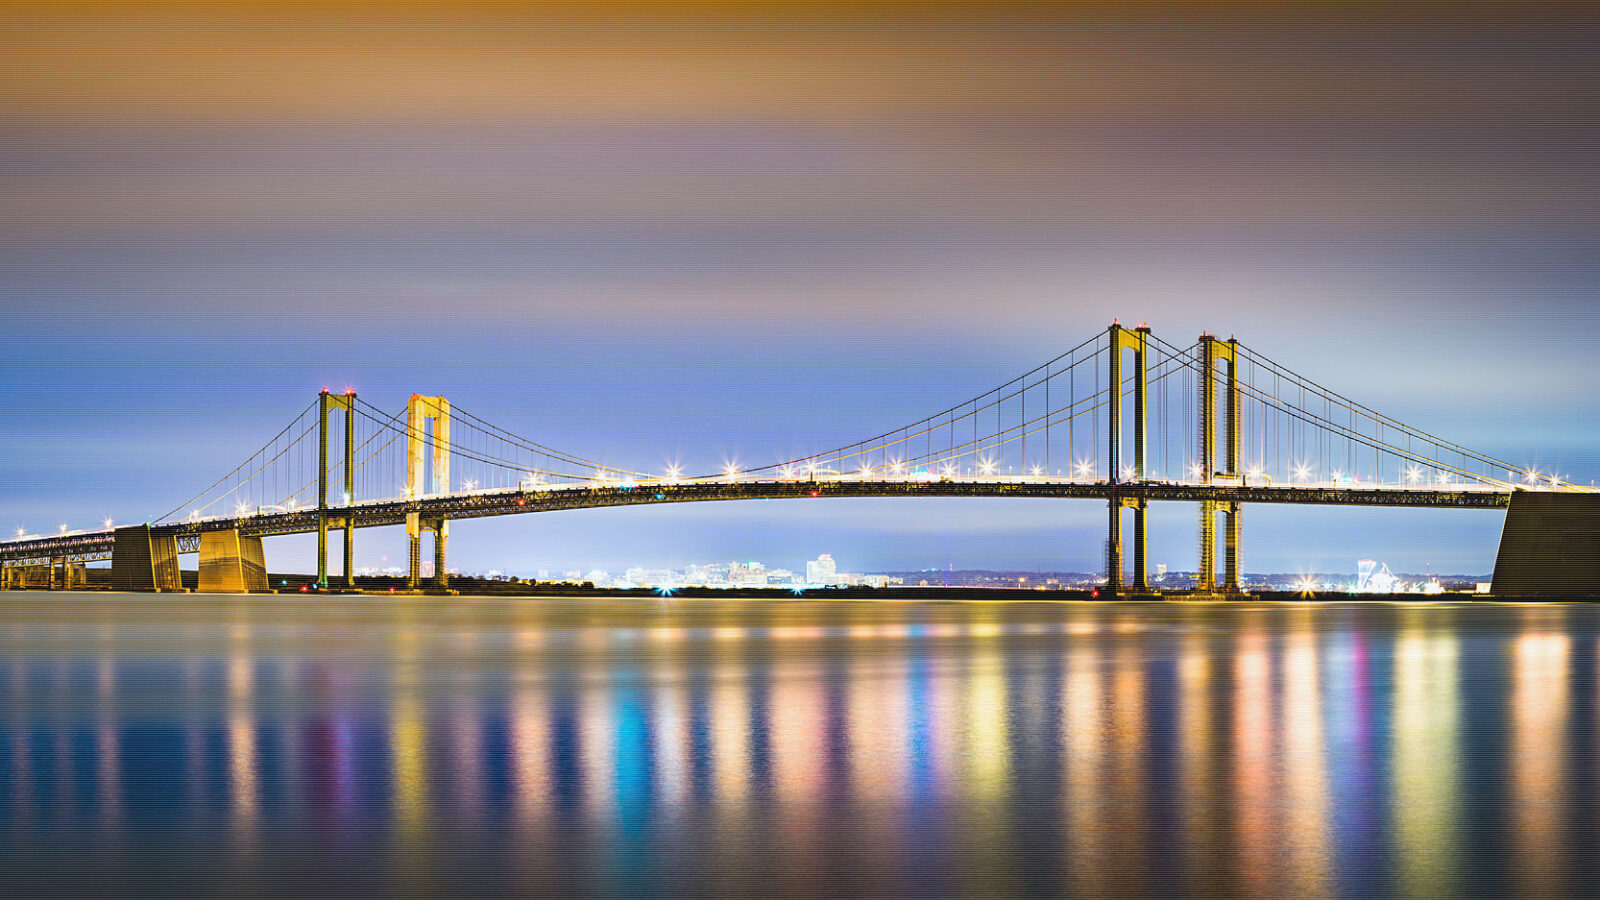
(260, 746)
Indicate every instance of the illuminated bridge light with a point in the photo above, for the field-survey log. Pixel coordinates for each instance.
(987, 466)
(106, 522)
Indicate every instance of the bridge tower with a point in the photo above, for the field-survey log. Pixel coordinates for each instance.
(419, 412)
(1213, 351)
(1135, 339)
(326, 404)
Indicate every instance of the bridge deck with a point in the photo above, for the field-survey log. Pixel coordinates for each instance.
(502, 502)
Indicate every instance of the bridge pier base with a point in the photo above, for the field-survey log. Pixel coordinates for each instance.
(1141, 531)
(349, 553)
(1115, 576)
(1114, 549)
(322, 551)
(1230, 551)
(441, 535)
(231, 563)
(1550, 546)
(144, 561)
(414, 542)
(1232, 539)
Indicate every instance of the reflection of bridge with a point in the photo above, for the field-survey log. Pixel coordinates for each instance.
(1084, 425)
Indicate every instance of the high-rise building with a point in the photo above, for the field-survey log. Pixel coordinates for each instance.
(821, 570)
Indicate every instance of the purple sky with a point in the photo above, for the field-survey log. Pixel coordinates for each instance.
(701, 244)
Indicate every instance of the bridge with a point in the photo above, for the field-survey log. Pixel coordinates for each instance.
(1124, 418)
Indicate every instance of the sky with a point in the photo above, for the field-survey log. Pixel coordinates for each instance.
(700, 232)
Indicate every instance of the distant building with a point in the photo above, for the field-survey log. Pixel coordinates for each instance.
(1375, 578)
(821, 570)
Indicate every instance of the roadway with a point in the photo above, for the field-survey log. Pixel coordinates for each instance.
(88, 545)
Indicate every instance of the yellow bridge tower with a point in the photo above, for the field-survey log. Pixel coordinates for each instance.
(419, 413)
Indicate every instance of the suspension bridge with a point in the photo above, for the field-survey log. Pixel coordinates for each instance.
(1124, 418)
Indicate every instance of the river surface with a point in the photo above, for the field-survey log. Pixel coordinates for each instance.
(177, 746)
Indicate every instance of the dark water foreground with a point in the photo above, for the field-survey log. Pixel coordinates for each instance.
(460, 747)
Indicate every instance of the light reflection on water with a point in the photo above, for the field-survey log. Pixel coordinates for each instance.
(469, 746)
